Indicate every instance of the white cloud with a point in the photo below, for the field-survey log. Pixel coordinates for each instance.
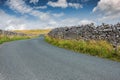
(52, 23)
(9, 22)
(75, 5)
(85, 21)
(58, 14)
(34, 1)
(59, 3)
(21, 7)
(74, 22)
(10, 28)
(109, 9)
(40, 7)
(64, 4)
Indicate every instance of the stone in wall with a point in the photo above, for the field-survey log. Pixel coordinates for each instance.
(107, 32)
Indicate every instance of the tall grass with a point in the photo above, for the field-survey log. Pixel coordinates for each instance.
(96, 48)
(4, 38)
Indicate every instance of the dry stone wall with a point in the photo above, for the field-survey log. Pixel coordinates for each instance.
(107, 32)
(10, 33)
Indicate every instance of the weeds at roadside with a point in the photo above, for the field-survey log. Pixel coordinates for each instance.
(99, 48)
(12, 38)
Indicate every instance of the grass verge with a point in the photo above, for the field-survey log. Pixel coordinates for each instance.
(95, 48)
(12, 38)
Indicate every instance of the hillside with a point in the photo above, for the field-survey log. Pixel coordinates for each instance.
(34, 32)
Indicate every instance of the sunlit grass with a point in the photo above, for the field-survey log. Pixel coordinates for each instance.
(96, 48)
(34, 32)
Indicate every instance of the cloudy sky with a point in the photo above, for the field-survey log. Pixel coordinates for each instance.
(43, 14)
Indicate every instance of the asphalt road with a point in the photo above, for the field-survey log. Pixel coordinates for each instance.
(35, 59)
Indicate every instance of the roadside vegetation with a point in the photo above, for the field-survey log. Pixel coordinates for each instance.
(12, 38)
(30, 34)
(34, 32)
(96, 48)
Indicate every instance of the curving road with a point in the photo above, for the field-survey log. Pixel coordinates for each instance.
(35, 59)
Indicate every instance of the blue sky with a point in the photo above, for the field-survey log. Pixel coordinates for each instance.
(43, 14)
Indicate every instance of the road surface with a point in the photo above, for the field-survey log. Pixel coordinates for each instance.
(35, 59)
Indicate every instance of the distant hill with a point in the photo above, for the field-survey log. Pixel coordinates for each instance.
(34, 32)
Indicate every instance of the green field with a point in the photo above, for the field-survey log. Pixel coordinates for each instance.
(96, 48)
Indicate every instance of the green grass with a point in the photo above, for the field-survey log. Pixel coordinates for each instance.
(12, 38)
(95, 48)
